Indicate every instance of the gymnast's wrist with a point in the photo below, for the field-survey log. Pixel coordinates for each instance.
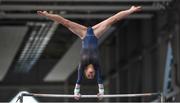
(101, 89)
(77, 89)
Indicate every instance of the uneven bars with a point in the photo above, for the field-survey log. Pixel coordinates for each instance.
(89, 96)
(85, 96)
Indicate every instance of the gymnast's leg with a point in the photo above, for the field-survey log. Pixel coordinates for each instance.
(76, 28)
(102, 27)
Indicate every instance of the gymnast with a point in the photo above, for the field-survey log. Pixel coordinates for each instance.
(89, 63)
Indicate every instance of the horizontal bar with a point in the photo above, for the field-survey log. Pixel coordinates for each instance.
(87, 0)
(73, 7)
(73, 16)
(90, 96)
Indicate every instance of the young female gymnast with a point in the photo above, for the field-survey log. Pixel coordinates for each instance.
(89, 63)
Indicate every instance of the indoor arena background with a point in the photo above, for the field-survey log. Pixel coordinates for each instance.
(139, 54)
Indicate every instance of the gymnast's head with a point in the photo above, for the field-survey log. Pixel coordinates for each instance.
(89, 71)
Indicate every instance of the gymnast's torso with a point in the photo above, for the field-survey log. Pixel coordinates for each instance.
(90, 41)
(89, 51)
(89, 55)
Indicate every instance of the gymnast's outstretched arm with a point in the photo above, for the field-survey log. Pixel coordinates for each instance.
(76, 28)
(101, 27)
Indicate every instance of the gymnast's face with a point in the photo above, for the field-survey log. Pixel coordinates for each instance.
(90, 72)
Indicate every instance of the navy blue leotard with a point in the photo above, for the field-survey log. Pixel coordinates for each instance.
(89, 55)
